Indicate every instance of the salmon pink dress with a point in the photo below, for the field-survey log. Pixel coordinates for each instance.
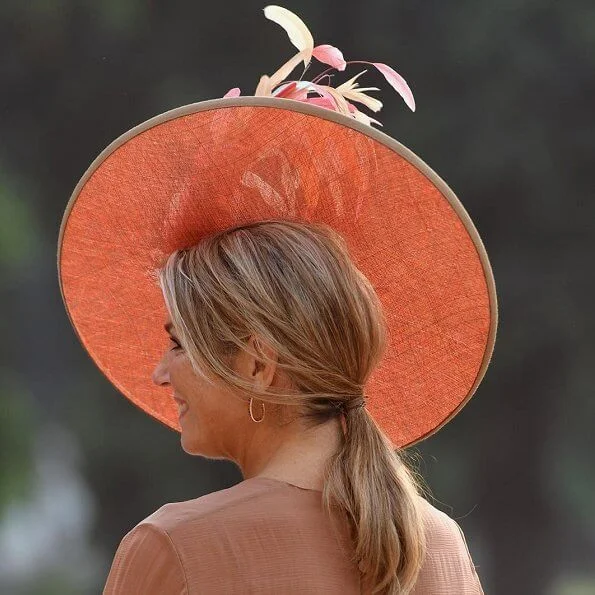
(266, 536)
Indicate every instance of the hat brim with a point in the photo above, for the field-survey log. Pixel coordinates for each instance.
(207, 166)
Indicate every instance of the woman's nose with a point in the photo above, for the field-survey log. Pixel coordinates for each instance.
(160, 373)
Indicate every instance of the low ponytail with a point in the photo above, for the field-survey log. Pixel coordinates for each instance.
(371, 482)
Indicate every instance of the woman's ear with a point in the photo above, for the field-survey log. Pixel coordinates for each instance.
(266, 363)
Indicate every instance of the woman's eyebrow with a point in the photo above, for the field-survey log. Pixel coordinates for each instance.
(168, 327)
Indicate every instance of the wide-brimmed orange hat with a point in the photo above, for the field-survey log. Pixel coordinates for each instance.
(215, 164)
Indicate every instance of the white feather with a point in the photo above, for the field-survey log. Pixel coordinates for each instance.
(298, 33)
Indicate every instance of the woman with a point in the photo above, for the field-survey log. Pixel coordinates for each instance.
(328, 300)
(299, 316)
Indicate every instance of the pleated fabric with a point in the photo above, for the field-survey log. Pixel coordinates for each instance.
(267, 536)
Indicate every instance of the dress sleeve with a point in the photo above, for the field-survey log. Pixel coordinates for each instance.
(448, 567)
(146, 562)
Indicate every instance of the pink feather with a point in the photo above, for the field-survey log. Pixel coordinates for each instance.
(328, 54)
(397, 82)
(235, 92)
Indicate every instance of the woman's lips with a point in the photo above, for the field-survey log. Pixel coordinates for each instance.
(182, 407)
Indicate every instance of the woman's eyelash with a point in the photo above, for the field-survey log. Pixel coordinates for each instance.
(174, 341)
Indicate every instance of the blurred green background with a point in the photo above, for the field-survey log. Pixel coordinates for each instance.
(505, 93)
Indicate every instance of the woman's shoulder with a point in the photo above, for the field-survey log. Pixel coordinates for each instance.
(248, 502)
(184, 543)
(448, 560)
(439, 526)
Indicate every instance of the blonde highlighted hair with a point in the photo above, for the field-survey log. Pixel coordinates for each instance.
(294, 285)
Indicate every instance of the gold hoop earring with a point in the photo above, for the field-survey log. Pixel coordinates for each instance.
(252, 415)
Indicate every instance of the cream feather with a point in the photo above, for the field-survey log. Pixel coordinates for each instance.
(298, 32)
(284, 71)
(264, 87)
(356, 95)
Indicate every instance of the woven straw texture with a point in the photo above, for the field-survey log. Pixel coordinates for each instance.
(201, 168)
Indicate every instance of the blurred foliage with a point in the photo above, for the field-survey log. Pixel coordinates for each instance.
(19, 231)
(504, 96)
(18, 425)
(575, 585)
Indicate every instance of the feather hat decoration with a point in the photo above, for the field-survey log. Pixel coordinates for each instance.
(340, 98)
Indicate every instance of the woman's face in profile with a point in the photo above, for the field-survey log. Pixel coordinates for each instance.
(210, 417)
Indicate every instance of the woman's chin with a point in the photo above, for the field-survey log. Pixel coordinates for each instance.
(188, 446)
(190, 443)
